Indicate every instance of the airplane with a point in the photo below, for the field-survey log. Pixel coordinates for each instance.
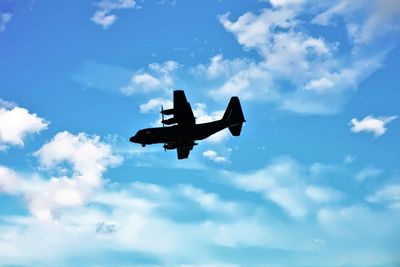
(184, 131)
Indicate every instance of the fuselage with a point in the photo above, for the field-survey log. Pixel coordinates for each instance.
(178, 133)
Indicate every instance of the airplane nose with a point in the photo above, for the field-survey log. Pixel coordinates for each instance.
(133, 139)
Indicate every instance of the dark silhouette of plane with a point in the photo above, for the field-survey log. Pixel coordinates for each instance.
(184, 132)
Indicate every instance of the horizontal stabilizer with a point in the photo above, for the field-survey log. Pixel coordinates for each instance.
(236, 129)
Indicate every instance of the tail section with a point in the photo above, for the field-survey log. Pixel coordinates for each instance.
(234, 117)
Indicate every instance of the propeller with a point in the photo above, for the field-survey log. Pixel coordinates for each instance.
(163, 125)
(162, 115)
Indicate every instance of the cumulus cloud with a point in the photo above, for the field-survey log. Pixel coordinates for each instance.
(16, 124)
(9, 180)
(214, 156)
(295, 70)
(5, 18)
(103, 15)
(254, 31)
(157, 77)
(155, 104)
(220, 67)
(303, 77)
(371, 124)
(88, 158)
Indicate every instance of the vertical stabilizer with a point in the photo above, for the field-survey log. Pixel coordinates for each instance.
(234, 117)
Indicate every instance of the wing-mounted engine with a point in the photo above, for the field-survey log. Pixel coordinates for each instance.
(174, 145)
(170, 146)
(169, 121)
(169, 111)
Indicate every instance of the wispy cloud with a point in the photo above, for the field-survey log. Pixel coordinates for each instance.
(388, 195)
(378, 18)
(100, 76)
(368, 172)
(5, 18)
(104, 17)
(285, 183)
(371, 124)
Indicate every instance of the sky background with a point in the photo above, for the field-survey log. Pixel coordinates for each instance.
(313, 180)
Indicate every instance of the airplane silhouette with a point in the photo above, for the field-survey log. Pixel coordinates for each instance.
(184, 132)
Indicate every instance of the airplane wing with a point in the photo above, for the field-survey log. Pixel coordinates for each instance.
(183, 112)
(183, 151)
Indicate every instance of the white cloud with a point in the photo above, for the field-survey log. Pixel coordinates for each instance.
(146, 81)
(209, 201)
(388, 195)
(254, 31)
(297, 71)
(7, 104)
(280, 3)
(376, 18)
(89, 159)
(103, 15)
(322, 194)
(88, 156)
(340, 7)
(220, 67)
(349, 223)
(158, 77)
(374, 125)
(16, 124)
(132, 218)
(155, 104)
(251, 82)
(103, 18)
(287, 184)
(4, 19)
(366, 173)
(9, 180)
(134, 225)
(213, 156)
(277, 182)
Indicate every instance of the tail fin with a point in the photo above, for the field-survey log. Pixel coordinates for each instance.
(233, 116)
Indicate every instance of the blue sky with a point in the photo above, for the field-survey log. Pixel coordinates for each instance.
(312, 181)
